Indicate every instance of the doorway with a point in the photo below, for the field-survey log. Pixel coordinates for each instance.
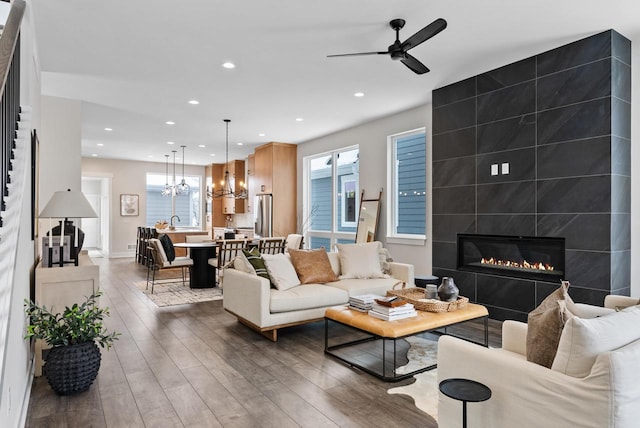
(97, 191)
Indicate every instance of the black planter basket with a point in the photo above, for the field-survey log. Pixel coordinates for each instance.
(72, 369)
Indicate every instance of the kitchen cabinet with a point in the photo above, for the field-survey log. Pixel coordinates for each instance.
(217, 175)
(276, 173)
(251, 183)
(232, 205)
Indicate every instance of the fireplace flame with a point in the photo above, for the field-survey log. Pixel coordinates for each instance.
(513, 264)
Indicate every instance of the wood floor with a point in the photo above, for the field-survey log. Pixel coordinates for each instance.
(195, 366)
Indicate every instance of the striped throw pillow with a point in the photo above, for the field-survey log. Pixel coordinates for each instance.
(254, 257)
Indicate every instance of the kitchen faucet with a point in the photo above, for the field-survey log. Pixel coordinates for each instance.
(171, 220)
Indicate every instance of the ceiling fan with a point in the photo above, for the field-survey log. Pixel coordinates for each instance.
(398, 50)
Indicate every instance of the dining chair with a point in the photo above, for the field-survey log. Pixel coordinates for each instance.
(196, 238)
(271, 245)
(158, 260)
(228, 249)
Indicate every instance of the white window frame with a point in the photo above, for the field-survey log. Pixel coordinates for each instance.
(392, 195)
(333, 235)
(343, 205)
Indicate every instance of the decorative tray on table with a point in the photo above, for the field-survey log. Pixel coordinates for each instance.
(416, 297)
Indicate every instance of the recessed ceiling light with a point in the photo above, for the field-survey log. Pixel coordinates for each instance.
(194, 102)
(358, 94)
(170, 122)
(170, 142)
(299, 119)
(240, 144)
(229, 65)
(100, 144)
(212, 154)
(262, 134)
(94, 155)
(108, 129)
(201, 145)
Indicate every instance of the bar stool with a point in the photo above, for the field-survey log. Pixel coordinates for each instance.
(139, 247)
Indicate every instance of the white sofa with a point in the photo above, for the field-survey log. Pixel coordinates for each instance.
(525, 394)
(252, 300)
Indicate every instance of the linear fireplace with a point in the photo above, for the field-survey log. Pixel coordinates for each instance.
(537, 258)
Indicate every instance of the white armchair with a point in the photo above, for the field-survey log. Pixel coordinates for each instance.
(525, 394)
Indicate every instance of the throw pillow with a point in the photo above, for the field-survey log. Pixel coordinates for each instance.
(167, 245)
(385, 259)
(281, 271)
(312, 266)
(583, 310)
(545, 325)
(253, 256)
(583, 340)
(241, 263)
(360, 260)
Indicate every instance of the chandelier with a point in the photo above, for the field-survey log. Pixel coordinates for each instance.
(172, 189)
(227, 190)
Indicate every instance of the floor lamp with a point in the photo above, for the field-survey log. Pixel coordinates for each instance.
(67, 204)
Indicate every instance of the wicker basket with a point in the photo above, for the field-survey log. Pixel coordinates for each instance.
(415, 296)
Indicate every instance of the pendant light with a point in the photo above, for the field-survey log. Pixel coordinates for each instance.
(227, 190)
(183, 187)
(166, 191)
(174, 188)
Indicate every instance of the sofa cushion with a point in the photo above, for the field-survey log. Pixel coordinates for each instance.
(312, 266)
(253, 256)
(356, 287)
(582, 340)
(545, 327)
(360, 260)
(307, 296)
(281, 271)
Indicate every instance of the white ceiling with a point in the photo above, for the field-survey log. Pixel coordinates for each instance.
(136, 64)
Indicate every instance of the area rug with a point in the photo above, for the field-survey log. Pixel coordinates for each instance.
(169, 292)
(424, 390)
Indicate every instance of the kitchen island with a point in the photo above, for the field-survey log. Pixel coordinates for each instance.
(180, 236)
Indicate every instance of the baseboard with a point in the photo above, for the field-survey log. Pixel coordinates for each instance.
(24, 411)
(122, 255)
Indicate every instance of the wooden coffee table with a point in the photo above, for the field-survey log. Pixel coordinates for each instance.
(377, 329)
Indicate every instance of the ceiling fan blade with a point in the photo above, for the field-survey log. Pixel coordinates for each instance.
(414, 65)
(426, 33)
(360, 54)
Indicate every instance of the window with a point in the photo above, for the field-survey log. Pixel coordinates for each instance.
(407, 181)
(331, 198)
(185, 206)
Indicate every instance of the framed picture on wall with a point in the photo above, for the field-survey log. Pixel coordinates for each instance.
(129, 205)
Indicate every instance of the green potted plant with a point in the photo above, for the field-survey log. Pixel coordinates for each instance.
(74, 335)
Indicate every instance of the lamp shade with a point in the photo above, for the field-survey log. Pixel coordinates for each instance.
(69, 203)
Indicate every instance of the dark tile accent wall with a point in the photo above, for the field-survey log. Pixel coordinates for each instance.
(562, 121)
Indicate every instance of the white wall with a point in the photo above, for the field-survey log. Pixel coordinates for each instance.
(127, 177)
(60, 143)
(372, 140)
(17, 370)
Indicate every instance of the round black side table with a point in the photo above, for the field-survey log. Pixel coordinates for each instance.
(465, 390)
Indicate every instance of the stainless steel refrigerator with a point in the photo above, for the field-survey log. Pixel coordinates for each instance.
(264, 215)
